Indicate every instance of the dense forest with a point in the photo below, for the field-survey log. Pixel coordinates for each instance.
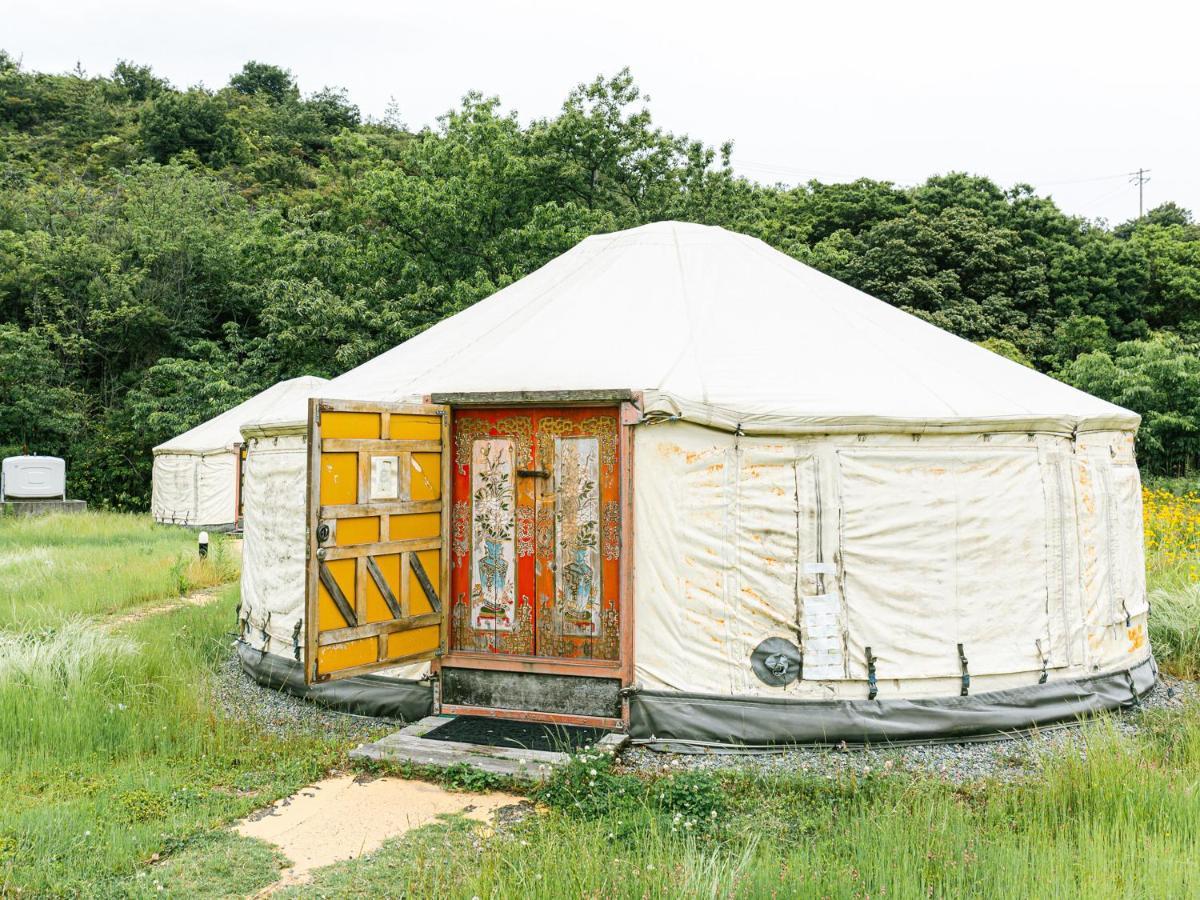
(166, 253)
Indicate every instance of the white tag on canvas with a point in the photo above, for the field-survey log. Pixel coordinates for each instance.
(820, 568)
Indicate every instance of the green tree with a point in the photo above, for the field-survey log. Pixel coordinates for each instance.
(1160, 379)
(276, 84)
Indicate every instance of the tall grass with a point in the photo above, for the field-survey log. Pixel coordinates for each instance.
(1175, 621)
(1119, 821)
(114, 750)
(53, 567)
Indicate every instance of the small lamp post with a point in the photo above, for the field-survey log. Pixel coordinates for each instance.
(203, 544)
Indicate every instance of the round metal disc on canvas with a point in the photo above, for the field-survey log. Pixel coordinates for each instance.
(776, 662)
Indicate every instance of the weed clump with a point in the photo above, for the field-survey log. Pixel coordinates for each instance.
(587, 786)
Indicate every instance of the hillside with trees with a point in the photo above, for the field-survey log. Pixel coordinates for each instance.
(166, 253)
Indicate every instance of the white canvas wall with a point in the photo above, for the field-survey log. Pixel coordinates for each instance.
(1018, 547)
(194, 489)
(997, 543)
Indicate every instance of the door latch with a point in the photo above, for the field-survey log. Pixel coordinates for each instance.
(533, 473)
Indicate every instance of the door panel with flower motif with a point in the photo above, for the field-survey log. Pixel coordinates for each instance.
(536, 533)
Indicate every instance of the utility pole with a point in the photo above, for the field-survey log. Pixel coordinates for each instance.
(1139, 178)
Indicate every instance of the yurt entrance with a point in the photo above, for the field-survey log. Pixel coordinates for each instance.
(519, 505)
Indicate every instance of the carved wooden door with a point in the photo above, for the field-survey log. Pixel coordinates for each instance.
(536, 533)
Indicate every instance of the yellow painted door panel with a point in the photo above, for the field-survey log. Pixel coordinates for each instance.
(377, 529)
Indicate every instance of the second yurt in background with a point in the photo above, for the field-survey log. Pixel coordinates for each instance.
(197, 475)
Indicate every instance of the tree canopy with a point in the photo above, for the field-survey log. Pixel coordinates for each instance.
(166, 252)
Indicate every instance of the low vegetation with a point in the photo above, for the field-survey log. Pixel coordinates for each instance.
(54, 567)
(1171, 511)
(114, 753)
(1116, 823)
(119, 774)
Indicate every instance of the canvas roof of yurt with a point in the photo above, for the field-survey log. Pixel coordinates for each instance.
(220, 433)
(721, 329)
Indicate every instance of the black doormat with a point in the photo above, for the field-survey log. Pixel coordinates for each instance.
(491, 732)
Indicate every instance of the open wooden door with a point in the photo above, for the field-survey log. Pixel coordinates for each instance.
(378, 489)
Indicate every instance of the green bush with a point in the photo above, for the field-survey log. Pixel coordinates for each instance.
(588, 787)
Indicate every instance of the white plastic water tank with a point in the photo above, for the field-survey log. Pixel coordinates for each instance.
(33, 478)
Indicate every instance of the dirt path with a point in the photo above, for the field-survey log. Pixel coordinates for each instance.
(343, 817)
(202, 597)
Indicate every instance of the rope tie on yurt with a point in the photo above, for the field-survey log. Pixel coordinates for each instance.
(872, 683)
(1045, 661)
(266, 638)
(296, 639)
(1128, 618)
(966, 675)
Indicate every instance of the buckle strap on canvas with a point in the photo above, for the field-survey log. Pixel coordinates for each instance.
(966, 675)
(872, 684)
(296, 639)
(1133, 694)
(1045, 661)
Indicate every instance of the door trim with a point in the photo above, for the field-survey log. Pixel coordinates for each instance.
(535, 398)
(628, 416)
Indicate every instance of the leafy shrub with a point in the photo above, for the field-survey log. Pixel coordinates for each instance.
(465, 777)
(588, 787)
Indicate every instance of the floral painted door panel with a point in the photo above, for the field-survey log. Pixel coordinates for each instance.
(535, 570)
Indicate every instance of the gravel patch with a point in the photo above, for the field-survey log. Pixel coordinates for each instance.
(283, 715)
(1005, 759)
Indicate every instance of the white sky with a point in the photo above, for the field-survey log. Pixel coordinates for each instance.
(1068, 96)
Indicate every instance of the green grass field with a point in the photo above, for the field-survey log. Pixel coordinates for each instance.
(98, 564)
(112, 750)
(119, 777)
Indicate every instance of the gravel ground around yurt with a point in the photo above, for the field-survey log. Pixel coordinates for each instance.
(282, 714)
(1006, 759)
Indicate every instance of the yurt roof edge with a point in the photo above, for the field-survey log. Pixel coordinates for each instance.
(723, 330)
(218, 434)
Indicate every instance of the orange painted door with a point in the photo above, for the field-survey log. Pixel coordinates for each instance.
(536, 533)
(378, 474)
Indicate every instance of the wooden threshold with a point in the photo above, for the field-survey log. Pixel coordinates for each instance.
(526, 715)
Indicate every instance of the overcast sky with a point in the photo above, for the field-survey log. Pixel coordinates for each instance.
(1068, 96)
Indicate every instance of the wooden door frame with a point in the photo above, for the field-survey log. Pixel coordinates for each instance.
(238, 449)
(628, 404)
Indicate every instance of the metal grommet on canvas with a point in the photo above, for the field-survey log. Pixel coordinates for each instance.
(776, 662)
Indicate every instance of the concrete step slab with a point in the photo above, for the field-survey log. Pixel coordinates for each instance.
(410, 745)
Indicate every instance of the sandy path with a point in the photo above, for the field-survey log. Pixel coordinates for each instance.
(343, 817)
(202, 597)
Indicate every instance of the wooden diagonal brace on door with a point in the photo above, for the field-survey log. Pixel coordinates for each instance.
(426, 585)
(380, 582)
(335, 593)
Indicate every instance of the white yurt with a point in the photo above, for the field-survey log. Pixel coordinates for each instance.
(699, 491)
(196, 474)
